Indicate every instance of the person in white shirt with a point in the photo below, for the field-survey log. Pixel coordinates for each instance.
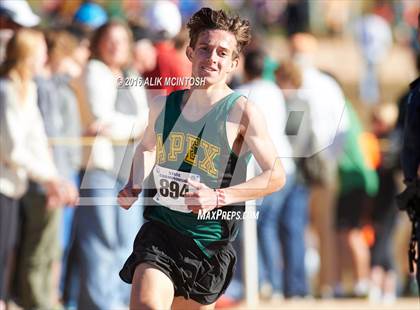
(24, 151)
(329, 120)
(113, 120)
(282, 216)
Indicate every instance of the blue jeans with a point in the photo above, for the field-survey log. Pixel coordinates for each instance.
(281, 228)
(68, 279)
(104, 236)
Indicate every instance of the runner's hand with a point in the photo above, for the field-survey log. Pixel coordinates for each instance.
(200, 197)
(128, 196)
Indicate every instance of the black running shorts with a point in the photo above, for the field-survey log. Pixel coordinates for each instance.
(193, 274)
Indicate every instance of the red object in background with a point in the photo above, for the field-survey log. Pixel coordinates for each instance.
(385, 10)
(168, 65)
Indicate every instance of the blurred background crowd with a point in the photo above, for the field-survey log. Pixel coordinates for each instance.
(331, 78)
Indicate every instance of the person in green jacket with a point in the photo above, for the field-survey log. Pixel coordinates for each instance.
(358, 182)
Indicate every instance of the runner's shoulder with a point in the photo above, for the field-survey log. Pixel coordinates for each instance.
(158, 102)
(243, 109)
(156, 106)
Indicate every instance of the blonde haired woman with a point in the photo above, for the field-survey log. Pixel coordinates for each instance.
(24, 153)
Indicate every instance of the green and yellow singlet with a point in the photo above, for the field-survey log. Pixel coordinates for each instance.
(201, 149)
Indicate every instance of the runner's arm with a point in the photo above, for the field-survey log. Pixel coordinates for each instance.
(254, 130)
(143, 159)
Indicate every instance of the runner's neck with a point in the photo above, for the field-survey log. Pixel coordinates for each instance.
(199, 99)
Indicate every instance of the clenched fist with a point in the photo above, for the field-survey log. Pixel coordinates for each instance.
(128, 196)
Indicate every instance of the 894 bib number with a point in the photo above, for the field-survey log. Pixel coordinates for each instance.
(172, 185)
(172, 189)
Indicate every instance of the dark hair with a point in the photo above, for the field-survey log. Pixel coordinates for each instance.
(254, 63)
(101, 32)
(80, 32)
(208, 19)
(140, 32)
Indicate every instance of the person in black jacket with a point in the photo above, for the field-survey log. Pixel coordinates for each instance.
(409, 200)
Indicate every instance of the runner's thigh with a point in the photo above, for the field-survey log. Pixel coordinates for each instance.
(151, 289)
(180, 303)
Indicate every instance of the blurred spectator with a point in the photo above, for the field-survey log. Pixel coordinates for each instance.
(164, 21)
(374, 36)
(66, 63)
(299, 127)
(300, 131)
(410, 287)
(79, 56)
(114, 116)
(336, 15)
(410, 162)
(266, 13)
(281, 223)
(181, 41)
(384, 213)
(327, 111)
(23, 140)
(47, 252)
(357, 182)
(144, 58)
(282, 215)
(82, 52)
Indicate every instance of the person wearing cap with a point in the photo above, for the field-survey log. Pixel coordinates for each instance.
(14, 15)
(164, 21)
(17, 13)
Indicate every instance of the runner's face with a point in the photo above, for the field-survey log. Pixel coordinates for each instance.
(212, 56)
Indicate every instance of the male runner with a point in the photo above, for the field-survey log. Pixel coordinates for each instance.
(200, 141)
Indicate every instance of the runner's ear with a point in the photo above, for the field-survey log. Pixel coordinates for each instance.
(189, 51)
(233, 65)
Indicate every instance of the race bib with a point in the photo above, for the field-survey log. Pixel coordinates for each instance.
(172, 185)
